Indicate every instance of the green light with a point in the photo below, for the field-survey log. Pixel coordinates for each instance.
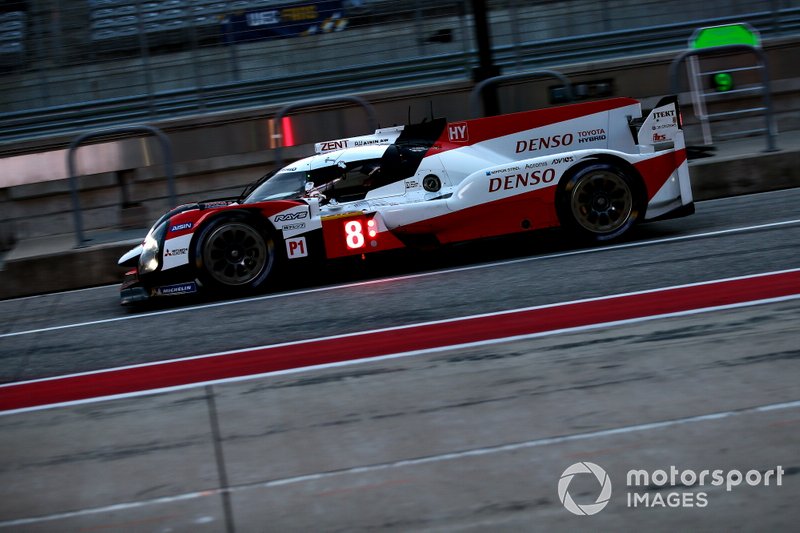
(728, 34)
(723, 82)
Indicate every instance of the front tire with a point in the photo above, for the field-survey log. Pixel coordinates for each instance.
(235, 254)
(600, 202)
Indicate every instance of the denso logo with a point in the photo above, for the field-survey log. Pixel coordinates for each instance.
(516, 181)
(290, 216)
(181, 227)
(333, 145)
(554, 141)
(458, 132)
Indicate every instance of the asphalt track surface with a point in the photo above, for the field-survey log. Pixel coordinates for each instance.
(471, 438)
(69, 342)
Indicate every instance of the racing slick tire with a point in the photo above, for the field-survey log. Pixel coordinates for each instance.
(600, 201)
(234, 254)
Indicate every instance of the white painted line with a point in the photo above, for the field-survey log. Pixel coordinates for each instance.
(109, 508)
(481, 266)
(355, 362)
(417, 461)
(503, 448)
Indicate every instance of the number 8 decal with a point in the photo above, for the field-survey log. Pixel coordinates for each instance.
(355, 234)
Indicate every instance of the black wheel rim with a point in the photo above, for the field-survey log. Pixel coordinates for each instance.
(235, 254)
(602, 202)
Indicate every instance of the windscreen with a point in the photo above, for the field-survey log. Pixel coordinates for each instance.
(343, 183)
(281, 186)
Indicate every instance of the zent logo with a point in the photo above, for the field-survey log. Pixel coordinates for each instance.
(587, 509)
(458, 132)
(333, 145)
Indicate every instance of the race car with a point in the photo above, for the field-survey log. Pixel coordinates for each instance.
(594, 168)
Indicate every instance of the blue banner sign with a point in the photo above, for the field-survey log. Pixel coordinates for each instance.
(289, 20)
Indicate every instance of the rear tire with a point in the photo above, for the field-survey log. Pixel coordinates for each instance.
(235, 254)
(599, 202)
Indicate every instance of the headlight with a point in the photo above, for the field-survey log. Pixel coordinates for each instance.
(151, 256)
(148, 261)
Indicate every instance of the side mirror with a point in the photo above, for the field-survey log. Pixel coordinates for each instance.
(309, 186)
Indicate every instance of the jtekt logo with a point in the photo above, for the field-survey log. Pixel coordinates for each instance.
(587, 509)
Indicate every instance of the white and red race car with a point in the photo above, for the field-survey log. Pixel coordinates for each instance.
(582, 166)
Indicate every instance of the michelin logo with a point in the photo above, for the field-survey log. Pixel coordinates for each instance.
(181, 288)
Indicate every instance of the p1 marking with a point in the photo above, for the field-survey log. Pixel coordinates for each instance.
(296, 248)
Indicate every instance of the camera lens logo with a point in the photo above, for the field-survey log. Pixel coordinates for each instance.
(586, 509)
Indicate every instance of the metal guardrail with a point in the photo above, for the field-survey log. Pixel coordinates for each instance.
(166, 151)
(769, 126)
(476, 105)
(32, 123)
(73, 118)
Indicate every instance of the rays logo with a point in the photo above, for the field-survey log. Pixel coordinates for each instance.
(586, 509)
(290, 216)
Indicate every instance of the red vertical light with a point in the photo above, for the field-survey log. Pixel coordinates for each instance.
(287, 131)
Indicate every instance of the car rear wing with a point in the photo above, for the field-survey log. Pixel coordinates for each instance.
(383, 136)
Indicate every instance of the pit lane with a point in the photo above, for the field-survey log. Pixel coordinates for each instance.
(467, 439)
(87, 330)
